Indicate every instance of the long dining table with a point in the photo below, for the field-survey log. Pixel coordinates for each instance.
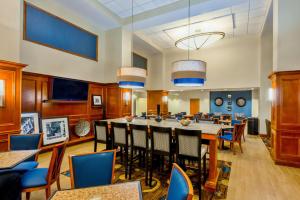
(209, 132)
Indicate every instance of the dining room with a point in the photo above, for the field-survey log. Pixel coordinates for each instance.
(149, 99)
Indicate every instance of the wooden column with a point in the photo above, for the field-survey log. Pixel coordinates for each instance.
(155, 97)
(285, 117)
(10, 108)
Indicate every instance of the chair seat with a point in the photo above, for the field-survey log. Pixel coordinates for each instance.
(34, 178)
(26, 166)
(226, 137)
(227, 132)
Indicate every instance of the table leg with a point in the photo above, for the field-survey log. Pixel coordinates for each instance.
(211, 182)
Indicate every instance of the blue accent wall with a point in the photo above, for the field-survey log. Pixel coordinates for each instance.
(51, 31)
(247, 109)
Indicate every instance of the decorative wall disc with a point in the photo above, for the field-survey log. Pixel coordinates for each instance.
(82, 128)
(218, 101)
(241, 102)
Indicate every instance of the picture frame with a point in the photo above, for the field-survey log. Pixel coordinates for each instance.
(55, 130)
(96, 100)
(30, 123)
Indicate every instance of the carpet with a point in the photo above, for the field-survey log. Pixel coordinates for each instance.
(267, 142)
(160, 181)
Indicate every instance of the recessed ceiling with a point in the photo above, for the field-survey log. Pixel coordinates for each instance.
(122, 8)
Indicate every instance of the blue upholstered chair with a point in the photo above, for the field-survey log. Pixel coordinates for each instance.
(92, 169)
(43, 178)
(180, 185)
(25, 142)
(233, 122)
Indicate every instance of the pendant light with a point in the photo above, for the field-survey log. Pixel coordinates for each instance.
(189, 72)
(130, 76)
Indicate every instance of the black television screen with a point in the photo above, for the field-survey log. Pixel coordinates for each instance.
(69, 90)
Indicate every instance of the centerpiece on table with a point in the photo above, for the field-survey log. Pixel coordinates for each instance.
(158, 118)
(185, 122)
(129, 118)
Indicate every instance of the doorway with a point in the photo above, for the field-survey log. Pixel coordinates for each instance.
(194, 106)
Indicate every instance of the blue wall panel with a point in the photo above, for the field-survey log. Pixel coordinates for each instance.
(247, 109)
(49, 30)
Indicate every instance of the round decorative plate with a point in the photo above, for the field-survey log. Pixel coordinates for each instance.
(241, 102)
(218, 101)
(82, 128)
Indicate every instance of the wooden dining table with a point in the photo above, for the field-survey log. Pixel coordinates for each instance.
(11, 159)
(210, 132)
(121, 191)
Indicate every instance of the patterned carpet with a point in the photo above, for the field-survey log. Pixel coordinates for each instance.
(267, 142)
(160, 181)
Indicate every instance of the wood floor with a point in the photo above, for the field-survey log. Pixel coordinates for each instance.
(254, 175)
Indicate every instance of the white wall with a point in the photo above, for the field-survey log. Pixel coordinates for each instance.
(266, 65)
(231, 63)
(44, 60)
(10, 25)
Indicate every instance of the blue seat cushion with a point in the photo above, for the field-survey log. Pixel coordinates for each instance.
(227, 132)
(178, 188)
(34, 178)
(226, 137)
(25, 166)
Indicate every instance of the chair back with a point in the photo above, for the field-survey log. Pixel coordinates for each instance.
(119, 133)
(25, 142)
(238, 131)
(101, 132)
(92, 169)
(161, 139)
(55, 162)
(268, 127)
(188, 143)
(226, 117)
(206, 121)
(234, 121)
(180, 185)
(139, 136)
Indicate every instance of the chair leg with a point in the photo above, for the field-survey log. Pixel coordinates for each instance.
(204, 168)
(121, 154)
(95, 146)
(48, 192)
(170, 163)
(241, 146)
(233, 149)
(244, 137)
(28, 195)
(146, 165)
(58, 183)
(130, 163)
(151, 169)
(126, 162)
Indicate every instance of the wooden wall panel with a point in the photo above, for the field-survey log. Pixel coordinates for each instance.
(286, 118)
(155, 97)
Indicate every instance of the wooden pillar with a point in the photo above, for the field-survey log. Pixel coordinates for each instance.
(157, 97)
(285, 117)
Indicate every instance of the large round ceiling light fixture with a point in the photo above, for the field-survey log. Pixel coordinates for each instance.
(189, 73)
(197, 41)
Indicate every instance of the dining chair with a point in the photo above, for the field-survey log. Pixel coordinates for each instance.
(92, 169)
(161, 145)
(189, 146)
(206, 121)
(25, 142)
(233, 122)
(101, 134)
(43, 178)
(235, 137)
(180, 187)
(120, 137)
(139, 142)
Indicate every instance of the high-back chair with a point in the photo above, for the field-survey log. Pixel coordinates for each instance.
(101, 134)
(43, 178)
(120, 136)
(92, 169)
(189, 146)
(25, 142)
(161, 145)
(139, 141)
(180, 187)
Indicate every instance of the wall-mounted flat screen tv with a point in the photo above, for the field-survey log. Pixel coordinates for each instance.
(69, 90)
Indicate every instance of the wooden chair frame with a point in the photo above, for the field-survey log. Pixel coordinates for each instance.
(50, 179)
(108, 138)
(84, 154)
(188, 182)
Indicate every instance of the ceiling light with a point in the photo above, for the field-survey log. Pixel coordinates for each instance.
(197, 41)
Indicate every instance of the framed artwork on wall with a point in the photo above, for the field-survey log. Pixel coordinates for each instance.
(30, 123)
(219, 101)
(55, 130)
(241, 102)
(96, 100)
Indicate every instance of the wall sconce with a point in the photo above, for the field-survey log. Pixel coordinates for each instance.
(270, 94)
(2, 93)
(126, 97)
(165, 99)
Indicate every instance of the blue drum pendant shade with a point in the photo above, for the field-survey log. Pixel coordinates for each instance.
(190, 73)
(131, 77)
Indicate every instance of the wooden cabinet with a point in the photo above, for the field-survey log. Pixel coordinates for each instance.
(285, 117)
(157, 97)
(10, 106)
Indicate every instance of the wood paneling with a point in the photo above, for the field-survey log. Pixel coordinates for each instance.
(10, 113)
(155, 97)
(194, 106)
(286, 118)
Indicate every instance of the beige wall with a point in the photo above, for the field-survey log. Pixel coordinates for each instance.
(10, 25)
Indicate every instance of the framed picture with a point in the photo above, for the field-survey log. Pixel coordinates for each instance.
(241, 102)
(30, 123)
(55, 130)
(97, 100)
(219, 101)
(229, 108)
(229, 102)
